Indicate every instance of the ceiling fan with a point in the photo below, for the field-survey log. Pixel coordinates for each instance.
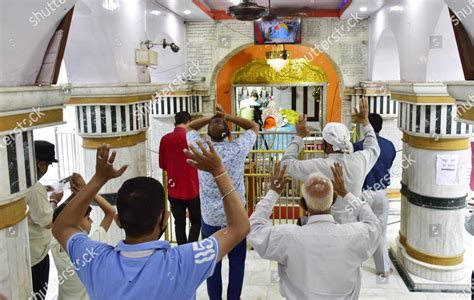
(248, 10)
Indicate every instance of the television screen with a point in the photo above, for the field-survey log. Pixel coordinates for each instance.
(278, 31)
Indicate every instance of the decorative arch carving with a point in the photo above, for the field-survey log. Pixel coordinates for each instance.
(298, 70)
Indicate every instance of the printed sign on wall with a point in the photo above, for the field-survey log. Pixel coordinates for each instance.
(447, 169)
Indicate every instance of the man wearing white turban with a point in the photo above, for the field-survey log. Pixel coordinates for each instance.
(338, 147)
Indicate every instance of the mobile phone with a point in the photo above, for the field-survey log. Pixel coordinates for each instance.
(65, 180)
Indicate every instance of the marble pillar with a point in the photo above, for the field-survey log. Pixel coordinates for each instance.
(436, 156)
(23, 109)
(118, 115)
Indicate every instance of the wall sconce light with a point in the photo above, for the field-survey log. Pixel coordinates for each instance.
(149, 44)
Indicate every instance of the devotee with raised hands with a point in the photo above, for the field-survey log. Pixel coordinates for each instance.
(233, 153)
(322, 259)
(142, 266)
(70, 286)
(338, 147)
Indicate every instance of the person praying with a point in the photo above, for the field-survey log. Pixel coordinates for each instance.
(322, 259)
(338, 147)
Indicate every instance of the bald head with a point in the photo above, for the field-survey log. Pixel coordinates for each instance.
(217, 129)
(318, 193)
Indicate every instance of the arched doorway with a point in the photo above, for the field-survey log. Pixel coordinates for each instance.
(221, 81)
(386, 64)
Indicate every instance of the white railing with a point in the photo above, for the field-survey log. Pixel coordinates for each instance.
(69, 153)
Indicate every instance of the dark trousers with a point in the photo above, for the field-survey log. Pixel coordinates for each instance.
(178, 209)
(40, 275)
(236, 269)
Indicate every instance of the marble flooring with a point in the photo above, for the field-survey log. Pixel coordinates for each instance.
(261, 277)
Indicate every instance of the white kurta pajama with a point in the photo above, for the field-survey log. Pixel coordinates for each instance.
(320, 260)
(355, 167)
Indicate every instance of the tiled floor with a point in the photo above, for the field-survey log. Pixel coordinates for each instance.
(261, 278)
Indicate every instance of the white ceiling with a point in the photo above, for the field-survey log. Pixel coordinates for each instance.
(179, 6)
(372, 7)
(312, 4)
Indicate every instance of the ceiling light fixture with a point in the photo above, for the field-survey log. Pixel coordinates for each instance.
(278, 57)
(363, 8)
(187, 12)
(110, 4)
(155, 12)
(397, 8)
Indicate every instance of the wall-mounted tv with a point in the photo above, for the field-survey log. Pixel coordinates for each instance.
(278, 31)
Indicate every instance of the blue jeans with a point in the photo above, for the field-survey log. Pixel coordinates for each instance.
(236, 269)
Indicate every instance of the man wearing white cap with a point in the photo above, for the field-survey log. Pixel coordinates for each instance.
(323, 259)
(338, 147)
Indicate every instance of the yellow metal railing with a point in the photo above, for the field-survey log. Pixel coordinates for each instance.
(258, 168)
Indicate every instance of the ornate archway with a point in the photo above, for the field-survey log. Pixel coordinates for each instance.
(227, 68)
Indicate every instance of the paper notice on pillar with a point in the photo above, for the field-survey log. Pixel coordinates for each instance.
(447, 170)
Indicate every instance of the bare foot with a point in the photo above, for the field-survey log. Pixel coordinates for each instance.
(385, 274)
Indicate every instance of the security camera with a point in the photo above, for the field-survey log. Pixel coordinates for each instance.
(173, 47)
(149, 44)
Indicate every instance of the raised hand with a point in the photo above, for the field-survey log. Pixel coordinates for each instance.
(277, 180)
(104, 168)
(363, 112)
(301, 127)
(219, 108)
(205, 160)
(338, 182)
(220, 111)
(77, 182)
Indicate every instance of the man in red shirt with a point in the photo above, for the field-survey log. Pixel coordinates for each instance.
(183, 182)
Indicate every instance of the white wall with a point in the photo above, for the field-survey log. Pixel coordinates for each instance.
(158, 128)
(386, 62)
(412, 23)
(105, 34)
(171, 27)
(444, 64)
(26, 27)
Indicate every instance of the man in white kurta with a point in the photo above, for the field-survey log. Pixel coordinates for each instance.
(322, 259)
(338, 147)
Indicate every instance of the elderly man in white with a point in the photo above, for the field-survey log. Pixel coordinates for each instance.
(338, 147)
(323, 259)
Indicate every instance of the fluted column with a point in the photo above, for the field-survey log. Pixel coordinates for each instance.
(117, 115)
(436, 155)
(22, 110)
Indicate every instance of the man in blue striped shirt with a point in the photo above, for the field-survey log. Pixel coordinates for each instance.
(142, 266)
(375, 191)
